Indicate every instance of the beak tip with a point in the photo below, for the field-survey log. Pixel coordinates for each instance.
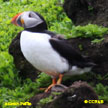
(13, 20)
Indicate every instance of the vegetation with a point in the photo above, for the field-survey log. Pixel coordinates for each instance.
(46, 100)
(90, 30)
(102, 92)
(11, 89)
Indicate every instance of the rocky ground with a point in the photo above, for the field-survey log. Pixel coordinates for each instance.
(83, 12)
(61, 96)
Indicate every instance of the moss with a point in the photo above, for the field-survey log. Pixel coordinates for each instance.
(95, 41)
(90, 8)
(80, 47)
(56, 93)
(45, 100)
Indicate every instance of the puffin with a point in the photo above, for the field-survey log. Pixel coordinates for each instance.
(47, 51)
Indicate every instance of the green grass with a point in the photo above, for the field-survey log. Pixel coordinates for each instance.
(11, 88)
(89, 31)
(102, 91)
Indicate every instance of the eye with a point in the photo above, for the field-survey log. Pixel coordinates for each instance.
(30, 15)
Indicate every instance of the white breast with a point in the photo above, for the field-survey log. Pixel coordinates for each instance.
(38, 51)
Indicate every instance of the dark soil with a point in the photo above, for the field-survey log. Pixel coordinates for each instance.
(71, 97)
(82, 12)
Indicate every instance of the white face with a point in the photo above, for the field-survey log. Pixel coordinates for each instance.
(31, 19)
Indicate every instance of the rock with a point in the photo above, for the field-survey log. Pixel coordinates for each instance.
(97, 53)
(74, 97)
(103, 106)
(82, 12)
(58, 88)
(68, 97)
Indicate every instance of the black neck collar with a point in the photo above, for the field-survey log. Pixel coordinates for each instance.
(38, 30)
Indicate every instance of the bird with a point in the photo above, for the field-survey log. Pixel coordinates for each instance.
(47, 51)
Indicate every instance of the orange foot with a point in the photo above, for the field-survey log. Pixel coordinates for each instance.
(49, 88)
(60, 79)
(53, 83)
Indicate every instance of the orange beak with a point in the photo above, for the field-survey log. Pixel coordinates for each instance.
(13, 21)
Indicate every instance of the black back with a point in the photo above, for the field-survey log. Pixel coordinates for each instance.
(66, 51)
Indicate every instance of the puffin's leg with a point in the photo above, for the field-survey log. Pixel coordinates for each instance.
(53, 83)
(60, 79)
